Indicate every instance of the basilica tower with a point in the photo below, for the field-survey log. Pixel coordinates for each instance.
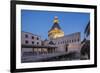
(55, 31)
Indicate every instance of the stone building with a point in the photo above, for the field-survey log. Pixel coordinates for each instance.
(57, 43)
(68, 43)
(29, 39)
(65, 43)
(33, 45)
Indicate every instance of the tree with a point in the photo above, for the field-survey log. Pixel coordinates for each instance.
(85, 49)
(87, 29)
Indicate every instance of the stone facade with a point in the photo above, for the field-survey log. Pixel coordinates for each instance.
(30, 39)
(65, 43)
(68, 43)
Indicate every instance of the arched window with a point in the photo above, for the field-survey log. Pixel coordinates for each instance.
(26, 36)
(32, 42)
(32, 37)
(72, 40)
(37, 38)
(37, 43)
(26, 41)
(78, 40)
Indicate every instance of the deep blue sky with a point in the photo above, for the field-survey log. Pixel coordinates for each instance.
(40, 22)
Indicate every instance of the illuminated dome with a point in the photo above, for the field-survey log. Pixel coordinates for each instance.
(55, 31)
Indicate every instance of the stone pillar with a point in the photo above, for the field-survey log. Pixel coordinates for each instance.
(42, 50)
(54, 50)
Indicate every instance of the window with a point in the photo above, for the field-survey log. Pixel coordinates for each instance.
(75, 40)
(32, 42)
(26, 42)
(37, 38)
(65, 42)
(26, 36)
(72, 41)
(37, 43)
(32, 37)
(78, 40)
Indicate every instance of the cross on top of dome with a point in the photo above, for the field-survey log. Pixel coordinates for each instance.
(56, 17)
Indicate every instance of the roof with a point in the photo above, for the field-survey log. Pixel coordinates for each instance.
(51, 43)
(30, 33)
(56, 25)
(70, 35)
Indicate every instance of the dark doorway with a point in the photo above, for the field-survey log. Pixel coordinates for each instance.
(66, 48)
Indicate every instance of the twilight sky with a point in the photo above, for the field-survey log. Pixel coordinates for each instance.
(40, 22)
